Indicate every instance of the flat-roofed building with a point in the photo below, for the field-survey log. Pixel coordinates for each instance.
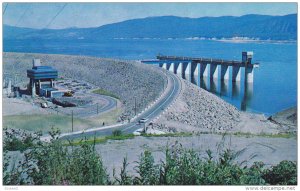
(42, 79)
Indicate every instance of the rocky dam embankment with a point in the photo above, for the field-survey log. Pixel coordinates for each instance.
(197, 110)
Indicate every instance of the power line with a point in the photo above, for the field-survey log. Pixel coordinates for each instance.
(5, 9)
(22, 15)
(56, 15)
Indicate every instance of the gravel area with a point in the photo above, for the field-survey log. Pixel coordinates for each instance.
(268, 150)
(126, 79)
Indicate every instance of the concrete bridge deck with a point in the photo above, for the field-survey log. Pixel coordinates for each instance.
(205, 61)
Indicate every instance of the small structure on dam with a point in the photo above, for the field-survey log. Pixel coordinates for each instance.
(42, 80)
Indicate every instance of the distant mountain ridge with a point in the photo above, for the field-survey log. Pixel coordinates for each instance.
(261, 27)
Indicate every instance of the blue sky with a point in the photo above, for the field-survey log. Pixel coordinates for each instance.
(40, 15)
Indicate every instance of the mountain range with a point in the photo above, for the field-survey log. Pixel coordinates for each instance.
(261, 27)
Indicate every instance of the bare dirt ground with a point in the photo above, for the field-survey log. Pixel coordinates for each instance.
(14, 106)
(268, 150)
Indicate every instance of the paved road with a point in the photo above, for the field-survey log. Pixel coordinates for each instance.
(151, 113)
(92, 110)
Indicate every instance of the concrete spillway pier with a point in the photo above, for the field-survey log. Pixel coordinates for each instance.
(208, 67)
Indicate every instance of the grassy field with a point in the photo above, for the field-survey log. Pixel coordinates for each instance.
(99, 139)
(104, 92)
(44, 123)
(108, 118)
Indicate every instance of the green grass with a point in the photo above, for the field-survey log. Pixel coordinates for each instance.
(267, 135)
(120, 137)
(181, 134)
(103, 139)
(109, 118)
(104, 92)
(44, 123)
(241, 134)
(97, 140)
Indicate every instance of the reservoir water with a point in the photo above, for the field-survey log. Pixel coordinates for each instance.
(275, 81)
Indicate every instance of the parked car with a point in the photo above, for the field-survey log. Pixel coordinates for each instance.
(44, 105)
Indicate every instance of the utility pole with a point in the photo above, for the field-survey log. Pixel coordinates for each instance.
(135, 106)
(15, 79)
(72, 122)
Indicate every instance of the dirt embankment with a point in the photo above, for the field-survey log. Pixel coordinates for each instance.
(197, 110)
(286, 119)
(126, 79)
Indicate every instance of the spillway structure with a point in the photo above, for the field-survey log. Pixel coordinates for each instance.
(209, 67)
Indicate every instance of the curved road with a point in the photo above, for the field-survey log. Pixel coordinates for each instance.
(89, 110)
(92, 110)
(150, 113)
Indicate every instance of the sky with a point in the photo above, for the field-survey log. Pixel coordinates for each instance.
(83, 15)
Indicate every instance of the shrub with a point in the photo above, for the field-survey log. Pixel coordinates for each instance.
(19, 140)
(285, 173)
(117, 133)
(54, 164)
(180, 167)
(147, 170)
(253, 175)
(86, 167)
(124, 179)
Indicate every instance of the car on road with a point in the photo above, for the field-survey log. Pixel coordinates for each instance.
(143, 120)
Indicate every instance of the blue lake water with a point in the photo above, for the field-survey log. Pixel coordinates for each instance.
(275, 81)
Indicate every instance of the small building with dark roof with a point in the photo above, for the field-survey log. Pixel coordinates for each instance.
(42, 79)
